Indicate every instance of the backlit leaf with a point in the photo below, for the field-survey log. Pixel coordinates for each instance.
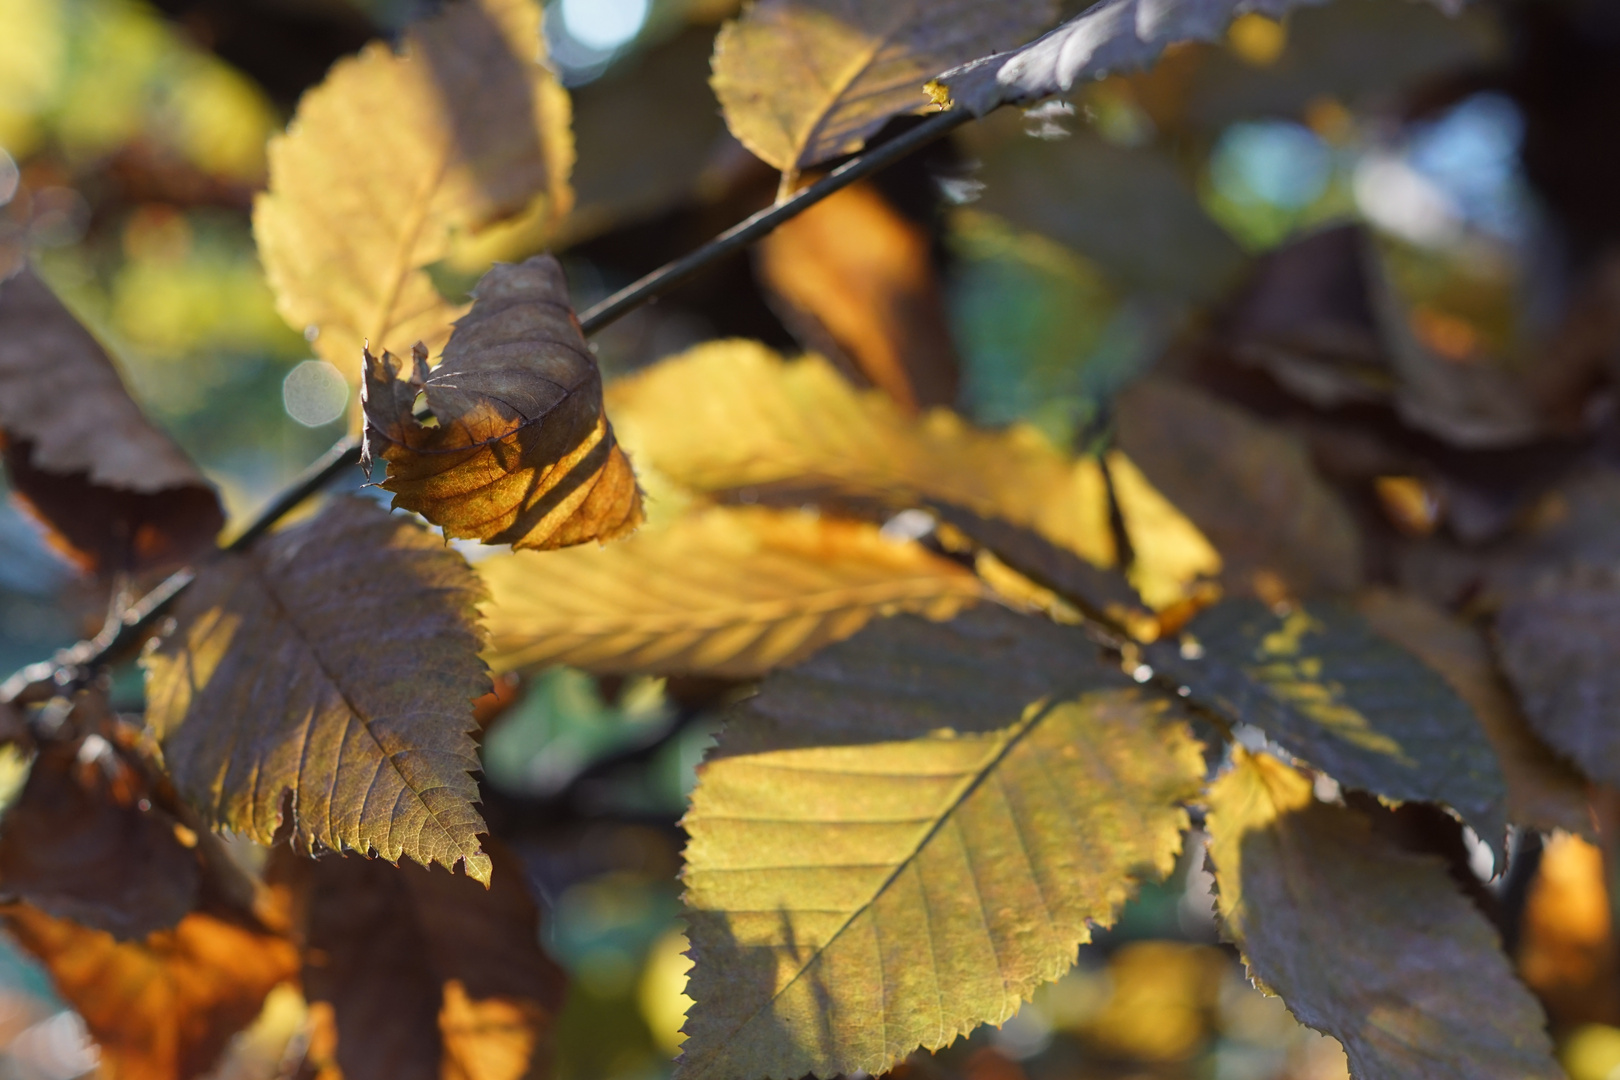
(802, 81)
(518, 450)
(116, 491)
(393, 155)
(732, 414)
(1113, 36)
(334, 664)
(858, 278)
(84, 842)
(724, 591)
(1247, 485)
(866, 885)
(1543, 790)
(1363, 941)
(162, 1008)
(1328, 687)
(427, 974)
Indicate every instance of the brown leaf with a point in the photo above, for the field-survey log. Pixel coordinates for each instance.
(427, 974)
(802, 81)
(162, 1008)
(396, 154)
(117, 492)
(1543, 790)
(1247, 485)
(1363, 941)
(333, 665)
(857, 278)
(519, 451)
(84, 842)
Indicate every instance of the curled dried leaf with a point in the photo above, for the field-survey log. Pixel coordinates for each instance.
(518, 450)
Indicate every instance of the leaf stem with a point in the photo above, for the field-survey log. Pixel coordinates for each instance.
(70, 667)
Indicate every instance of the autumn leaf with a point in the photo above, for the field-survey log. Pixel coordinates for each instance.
(117, 493)
(1249, 487)
(424, 973)
(519, 450)
(856, 278)
(723, 591)
(860, 888)
(802, 81)
(396, 154)
(1364, 942)
(84, 841)
(162, 1008)
(1328, 687)
(733, 415)
(334, 665)
(1543, 790)
(1109, 37)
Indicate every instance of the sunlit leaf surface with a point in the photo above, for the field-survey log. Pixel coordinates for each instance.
(1364, 942)
(518, 450)
(802, 81)
(725, 591)
(334, 666)
(394, 154)
(856, 889)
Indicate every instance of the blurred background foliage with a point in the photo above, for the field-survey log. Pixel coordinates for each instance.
(1073, 244)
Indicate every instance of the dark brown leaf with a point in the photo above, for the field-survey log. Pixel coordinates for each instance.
(519, 450)
(427, 974)
(118, 494)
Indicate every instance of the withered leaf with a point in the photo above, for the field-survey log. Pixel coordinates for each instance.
(723, 591)
(733, 415)
(1363, 941)
(162, 1008)
(856, 892)
(857, 278)
(427, 974)
(1247, 485)
(84, 842)
(1327, 686)
(802, 81)
(334, 665)
(392, 157)
(118, 494)
(1113, 36)
(1543, 790)
(519, 450)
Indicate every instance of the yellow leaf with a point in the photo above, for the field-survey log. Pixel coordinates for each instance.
(733, 414)
(863, 880)
(724, 591)
(333, 665)
(802, 81)
(1365, 942)
(518, 450)
(392, 156)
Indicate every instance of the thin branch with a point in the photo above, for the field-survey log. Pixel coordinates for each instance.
(72, 666)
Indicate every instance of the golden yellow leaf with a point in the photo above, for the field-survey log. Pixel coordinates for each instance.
(860, 886)
(1365, 942)
(802, 81)
(161, 1008)
(857, 278)
(518, 450)
(116, 491)
(1543, 790)
(332, 667)
(724, 591)
(392, 156)
(733, 414)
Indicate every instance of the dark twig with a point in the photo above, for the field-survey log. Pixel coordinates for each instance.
(72, 666)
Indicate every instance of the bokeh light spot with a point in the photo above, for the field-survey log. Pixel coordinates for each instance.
(314, 393)
(604, 24)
